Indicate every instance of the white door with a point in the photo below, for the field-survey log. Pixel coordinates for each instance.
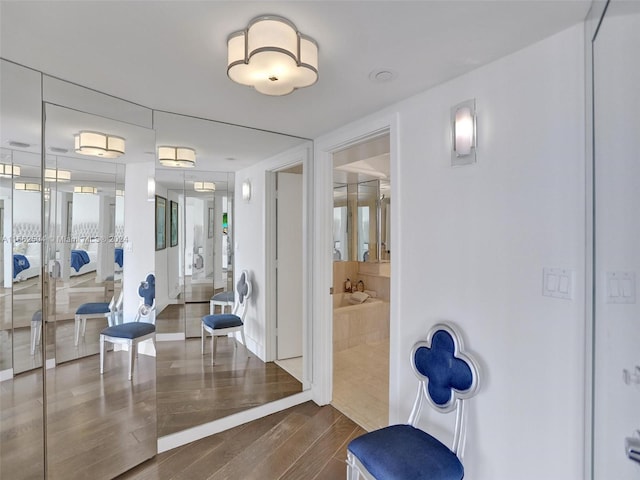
(616, 415)
(289, 265)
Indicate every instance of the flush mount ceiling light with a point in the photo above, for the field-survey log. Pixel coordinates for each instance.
(27, 187)
(176, 156)
(85, 189)
(204, 186)
(272, 56)
(52, 175)
(463, 133)
(8, 171)
(98, 144)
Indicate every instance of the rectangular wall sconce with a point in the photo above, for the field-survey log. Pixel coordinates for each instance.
(463, 133)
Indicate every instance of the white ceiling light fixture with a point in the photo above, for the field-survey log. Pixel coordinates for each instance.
(272, 56)
(463, 133)
(53, 175)
(85, 189)
(99, 144)
(204, 186)
(176, 156)
(27, 187)
(8, 171)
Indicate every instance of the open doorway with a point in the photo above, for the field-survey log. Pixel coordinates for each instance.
(362, 280)
(289, 269)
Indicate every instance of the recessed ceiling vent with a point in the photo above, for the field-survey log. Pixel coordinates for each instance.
(15, 144)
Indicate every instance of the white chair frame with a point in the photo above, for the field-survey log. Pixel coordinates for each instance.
(112, 316)
(240, 309)
(355, 469)
(131, 344)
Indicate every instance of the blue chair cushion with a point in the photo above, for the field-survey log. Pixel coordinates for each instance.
(223, 297)
(92, 308)
(403, 451)
(129, 330)
(223, 320)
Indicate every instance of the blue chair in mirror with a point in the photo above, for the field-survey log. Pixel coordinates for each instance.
(222, 324)
(132, 333)
(223, 299)
(447, 378)
(111, 310)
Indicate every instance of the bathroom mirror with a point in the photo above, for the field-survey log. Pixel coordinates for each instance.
(201, 264)
(98, 425)
(21, 341)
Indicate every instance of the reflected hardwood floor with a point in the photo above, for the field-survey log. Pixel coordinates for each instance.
(190, 391)
(303, 442)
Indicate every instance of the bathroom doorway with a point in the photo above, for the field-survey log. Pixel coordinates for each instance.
(362, 280)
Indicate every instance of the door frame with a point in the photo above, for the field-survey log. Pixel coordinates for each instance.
(322, 388)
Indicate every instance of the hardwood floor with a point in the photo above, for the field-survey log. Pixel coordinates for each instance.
(190, 391)
(303, 442)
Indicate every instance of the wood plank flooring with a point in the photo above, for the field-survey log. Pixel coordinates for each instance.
(303, 442)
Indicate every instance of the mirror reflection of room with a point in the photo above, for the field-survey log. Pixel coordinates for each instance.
(361, 281)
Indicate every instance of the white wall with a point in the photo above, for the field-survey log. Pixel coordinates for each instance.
(26, 207)
(250, 242)
(139, 230)
(85, 207)
(470, 244)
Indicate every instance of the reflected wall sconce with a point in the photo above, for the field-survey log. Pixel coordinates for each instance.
(176, 156)
(53, 175)
(27, 187)
(272, 56)
(119, 193)
(246, 190)
(151, 189)
(98, 144)
(205, 187)
(85, 189)
(8, 171)
(463, 133)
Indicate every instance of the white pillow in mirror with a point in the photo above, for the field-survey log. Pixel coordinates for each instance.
(33, 249)
(20, 248)
(358, 297)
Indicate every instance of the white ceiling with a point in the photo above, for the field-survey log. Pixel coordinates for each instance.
(171, 55)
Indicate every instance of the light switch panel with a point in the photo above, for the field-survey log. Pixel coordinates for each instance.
(621, 287)
(557, 282)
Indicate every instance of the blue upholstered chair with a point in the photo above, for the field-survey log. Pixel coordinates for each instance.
(111, 310)
(447, 377)
(223, 300)
(141, 329)
(222, 324)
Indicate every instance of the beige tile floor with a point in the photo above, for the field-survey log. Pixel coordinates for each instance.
(361, 384)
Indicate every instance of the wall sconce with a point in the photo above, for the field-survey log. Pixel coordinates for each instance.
(246, 190)
(53, 175)
(98, 144)
(27, 187)
(151, 189)
(119, 193)
(205, 187)
(272, 56)
(85, 189)
(463, 133)
(176, 156)
(8, 171)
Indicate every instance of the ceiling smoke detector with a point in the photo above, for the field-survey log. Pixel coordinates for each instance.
(382, 75)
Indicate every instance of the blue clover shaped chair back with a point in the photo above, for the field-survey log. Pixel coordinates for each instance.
(147, 289)
(447, 377)
(243, 292)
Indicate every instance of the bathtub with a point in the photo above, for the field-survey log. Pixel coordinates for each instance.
(353, 325)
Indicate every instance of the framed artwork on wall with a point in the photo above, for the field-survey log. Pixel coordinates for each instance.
(161, 223)
(173, 234)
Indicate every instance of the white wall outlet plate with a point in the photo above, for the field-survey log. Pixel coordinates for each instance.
(557, 282)
(621, 287)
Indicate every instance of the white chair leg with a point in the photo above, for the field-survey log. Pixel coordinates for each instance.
(33, 339)
(203, 332)
(214, 347)
(78, 321)
(131, 349)
(84, 326)
(244, 342)
(101, 354)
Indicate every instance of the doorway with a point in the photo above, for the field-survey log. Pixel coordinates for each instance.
(362, 280)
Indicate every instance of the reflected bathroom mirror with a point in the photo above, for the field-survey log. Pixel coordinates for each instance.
(201, 265)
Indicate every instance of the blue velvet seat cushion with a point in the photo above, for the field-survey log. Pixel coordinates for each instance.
(91, 308)
(223, 297)
(223, 320)
(129, 330)
(402, 451)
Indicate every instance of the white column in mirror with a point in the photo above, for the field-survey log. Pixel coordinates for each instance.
(463, 133)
